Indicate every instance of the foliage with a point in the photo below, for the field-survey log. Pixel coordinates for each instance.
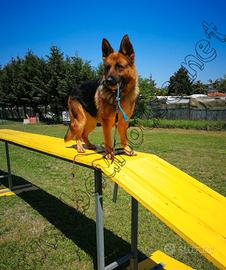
(199, 88)
(147, 90)
(100, 70)
(219, 84)
(180, 83)
(184, 124)
(39, 83)
(11, 82)
(34, 82)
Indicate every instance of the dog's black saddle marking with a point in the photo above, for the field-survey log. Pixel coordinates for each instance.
(85, 94)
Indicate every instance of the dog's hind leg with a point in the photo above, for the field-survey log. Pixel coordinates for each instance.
(78, 121)
(91, 123)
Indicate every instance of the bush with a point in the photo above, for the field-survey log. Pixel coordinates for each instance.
(185, 124)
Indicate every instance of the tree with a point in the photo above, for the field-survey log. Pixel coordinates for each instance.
(179, 83)
(57, 84)
(147, 89)
(1, 90)
(219, 84)
(100, 71)
(11, 83)
(34, 80)
(199, 88)
(223, 84)
(42, 81)
(78, 71)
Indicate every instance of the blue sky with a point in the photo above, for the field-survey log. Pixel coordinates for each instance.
(163, 33)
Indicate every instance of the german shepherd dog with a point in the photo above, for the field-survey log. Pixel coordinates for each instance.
(95, 101)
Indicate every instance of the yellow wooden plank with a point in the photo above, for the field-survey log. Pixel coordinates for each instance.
(159, 257)
(7, 192)
(193, 210)
(205, 230)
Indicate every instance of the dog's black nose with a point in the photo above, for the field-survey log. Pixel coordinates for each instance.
(111, 80)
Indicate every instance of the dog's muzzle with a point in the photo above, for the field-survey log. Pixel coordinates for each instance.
(111, 81)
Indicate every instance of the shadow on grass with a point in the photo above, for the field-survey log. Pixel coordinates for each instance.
(73, 224)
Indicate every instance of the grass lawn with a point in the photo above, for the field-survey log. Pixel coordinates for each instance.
(49, 229)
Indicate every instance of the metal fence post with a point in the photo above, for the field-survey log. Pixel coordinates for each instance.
(99, 220)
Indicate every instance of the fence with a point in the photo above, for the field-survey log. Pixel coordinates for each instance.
(15, 113)
(189, 108)
(193, 114)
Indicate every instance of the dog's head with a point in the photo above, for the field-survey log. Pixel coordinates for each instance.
(119, 66)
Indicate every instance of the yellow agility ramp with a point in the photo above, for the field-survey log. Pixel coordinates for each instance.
(190, 208)
(7, 192)
(157, 258)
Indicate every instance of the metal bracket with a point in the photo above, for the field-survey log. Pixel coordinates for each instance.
(115, 193)
(158, 267)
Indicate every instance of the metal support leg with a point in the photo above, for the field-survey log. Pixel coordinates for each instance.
(115, 193)
(134, 230)
(8, 166)
(99, 220)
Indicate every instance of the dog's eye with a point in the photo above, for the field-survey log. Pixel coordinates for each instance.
(106, 68)
(118, 66)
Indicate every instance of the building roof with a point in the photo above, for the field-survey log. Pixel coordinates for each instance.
(216, 94)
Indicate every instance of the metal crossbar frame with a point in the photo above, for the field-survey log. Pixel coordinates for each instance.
(132, 255)
(9, 174)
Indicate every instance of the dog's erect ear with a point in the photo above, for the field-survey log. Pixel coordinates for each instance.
(106, 48)
(126, 48)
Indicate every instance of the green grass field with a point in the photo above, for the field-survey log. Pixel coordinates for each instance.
(49, 229)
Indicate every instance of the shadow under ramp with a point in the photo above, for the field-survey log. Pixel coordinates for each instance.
(73, 224)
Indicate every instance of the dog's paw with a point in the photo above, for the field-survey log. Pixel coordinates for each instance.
(109, 156)
(129, 152)
(81, 149)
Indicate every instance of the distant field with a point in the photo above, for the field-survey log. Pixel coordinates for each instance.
(43, 230)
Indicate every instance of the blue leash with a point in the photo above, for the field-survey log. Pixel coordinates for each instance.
(119, 105)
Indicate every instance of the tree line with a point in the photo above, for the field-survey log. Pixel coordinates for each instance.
(180, 84)
(33, 81)
(37, 82)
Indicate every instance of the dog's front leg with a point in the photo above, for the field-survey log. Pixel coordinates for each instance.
(107, 125)
(122, 129)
